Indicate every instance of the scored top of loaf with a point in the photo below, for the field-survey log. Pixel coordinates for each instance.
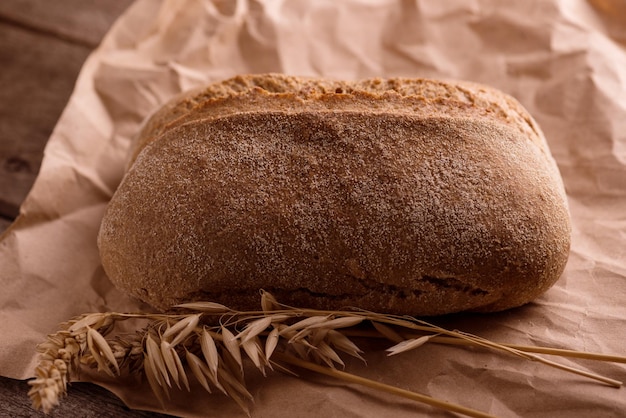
(419, 97)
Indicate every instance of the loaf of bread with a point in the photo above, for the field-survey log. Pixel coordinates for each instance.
(404, 196)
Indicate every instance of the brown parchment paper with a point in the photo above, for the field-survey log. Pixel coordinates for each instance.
(564, 60)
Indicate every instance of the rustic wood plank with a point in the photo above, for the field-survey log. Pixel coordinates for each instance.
(83, 400)
(78, 21)
(35, 83)
(43, 45)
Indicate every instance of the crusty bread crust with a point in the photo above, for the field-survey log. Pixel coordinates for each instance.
(417, 96)
(411, 197)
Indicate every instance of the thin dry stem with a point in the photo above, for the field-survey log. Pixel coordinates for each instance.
(348, 377)
(560, 352)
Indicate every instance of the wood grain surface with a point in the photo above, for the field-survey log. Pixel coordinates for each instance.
(43, 44)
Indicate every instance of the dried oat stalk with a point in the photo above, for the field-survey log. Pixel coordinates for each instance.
(209, 342)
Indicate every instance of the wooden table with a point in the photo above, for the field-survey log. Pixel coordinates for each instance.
(43, 45)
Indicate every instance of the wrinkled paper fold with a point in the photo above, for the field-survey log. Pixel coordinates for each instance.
(564, 61)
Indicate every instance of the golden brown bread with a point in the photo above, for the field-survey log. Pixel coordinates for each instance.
(405, 196)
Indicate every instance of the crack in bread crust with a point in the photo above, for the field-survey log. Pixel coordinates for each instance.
(395, 299)
(392, 299)
(445, 97)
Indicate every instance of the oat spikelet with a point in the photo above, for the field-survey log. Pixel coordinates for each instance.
(174, 348)
(407, 345)
(209, 350)
(268, 302)
(271, 341)
(230, 341)
(182, 329)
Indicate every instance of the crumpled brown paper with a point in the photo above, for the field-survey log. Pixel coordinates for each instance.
(564, 60)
